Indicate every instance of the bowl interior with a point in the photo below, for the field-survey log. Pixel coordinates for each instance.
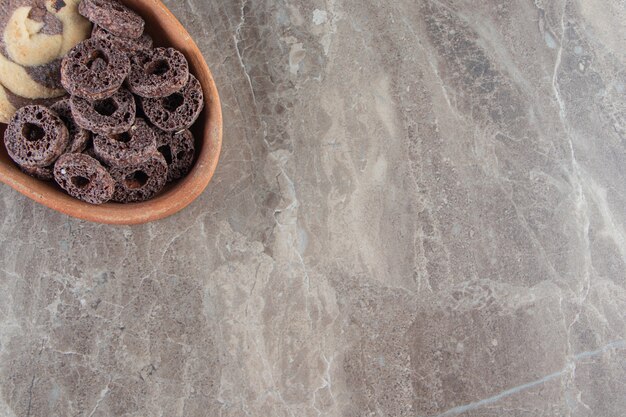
(166, 31)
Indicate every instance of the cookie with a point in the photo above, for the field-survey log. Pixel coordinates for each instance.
(75, 27)
(41, 173)
(178, 111)
(157, 73)
(127, 148)
(140, 181)
(48, 75)
(36, 136)
(31, 35)
(178, 149)
(7, 109)
(113, 16)
(84, 178)
(94, 69)
(17, 79)
(127, 45)
(34, 35)
(10, 102)
(110, 116)
(19, 102)
(79, 137)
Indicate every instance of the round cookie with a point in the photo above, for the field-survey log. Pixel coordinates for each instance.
(113, 16)
(84, 178)
(75, 27)
(36, 136)
(157, 73)
(127, 148)
(31, 35)
(10, 102)
(79, 137)
(110, 116)
(94, 69)
(17, 79)
(48, 75)
(178, 149)
(7, 109)
(141, 181)
(19, 102)
(178, 111)
(41, 173)
(34, 36)
(127, 45)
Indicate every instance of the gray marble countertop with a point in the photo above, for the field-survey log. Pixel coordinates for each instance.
(419, 211)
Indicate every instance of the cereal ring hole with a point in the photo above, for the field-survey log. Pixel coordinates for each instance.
(32, 133)
(96, 59)
(159, 67)
(123, 137)
(80, 181)
(166, 151)
(136, 180)
(171, 103)
(105, 107)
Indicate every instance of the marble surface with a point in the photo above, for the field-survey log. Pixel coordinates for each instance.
(419, 211)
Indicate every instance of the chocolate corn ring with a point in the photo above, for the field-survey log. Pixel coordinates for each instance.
(41, 173)
(139, 181)
(111, 115)
(157, 73)
(113, 16)
(94, 69)
(35, 136)
(177, 111)
(131, 147)
(79, 137)
(127, 45)
(178, 149)
(84, 178)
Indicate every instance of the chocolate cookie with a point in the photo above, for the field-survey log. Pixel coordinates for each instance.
(127, 148)
(113, 16)
(36, 136)
(157, 73)
(127, 45)
(94, 69)
(79, 137)
(139, 181)
(178, 149)
(110, 116)
(84, 178)
(41, 173)
(177, 111)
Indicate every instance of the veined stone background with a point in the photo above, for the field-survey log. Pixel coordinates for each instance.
(420, 210)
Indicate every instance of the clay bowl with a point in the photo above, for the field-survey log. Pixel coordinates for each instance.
(166, 31)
